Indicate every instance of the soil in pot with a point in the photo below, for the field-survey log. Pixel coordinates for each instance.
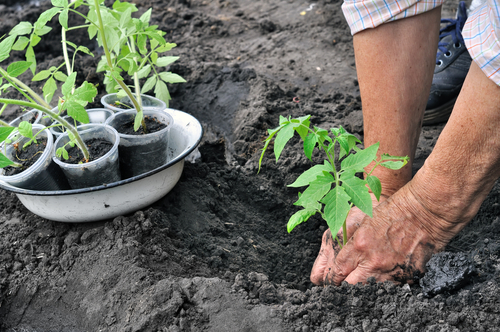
(26, 157)
(97, 149)
(140, 151)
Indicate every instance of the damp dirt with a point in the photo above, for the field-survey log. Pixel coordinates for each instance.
(214, 253)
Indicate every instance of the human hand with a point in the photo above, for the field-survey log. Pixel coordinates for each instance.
(393, 245)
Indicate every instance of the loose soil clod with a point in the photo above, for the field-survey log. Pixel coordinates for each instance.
(214, 254)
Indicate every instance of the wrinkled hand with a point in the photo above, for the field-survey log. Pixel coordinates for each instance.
(393, 245)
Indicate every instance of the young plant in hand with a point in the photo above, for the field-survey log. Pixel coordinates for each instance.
(332, 192)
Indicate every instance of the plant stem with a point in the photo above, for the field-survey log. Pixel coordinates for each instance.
(23, 86)
(136, 76)
(125, 88)
(56, 117)
(4, 124)
(65, 51)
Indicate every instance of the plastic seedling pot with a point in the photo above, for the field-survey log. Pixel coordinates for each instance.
(44, 174)
(98, 172)
(96, 115)
(149, 103)
(141, 153)
(33, 116)
(122, 197)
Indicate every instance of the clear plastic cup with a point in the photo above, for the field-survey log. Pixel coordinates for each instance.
(148, 103)
(142, 153)
(96, 115)
(95, 173)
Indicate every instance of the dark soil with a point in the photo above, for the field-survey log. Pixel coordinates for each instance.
(214, 254)
(26, 156)
(152, 126)
(96, 147)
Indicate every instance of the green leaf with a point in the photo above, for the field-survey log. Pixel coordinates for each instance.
(22, 28)
(68, 86)
(299, 217)
(25, 129)
(375, 185)
(63, 19)
(165, 48)
(138, 120)
(316, 191)
(4, 161)
(42, 31)
(45, 17)
(123, 6)
(337, 208)
(85, 93)
(17, 68)
(166, 60)
(283, 136)
(49, 89)
(361, 159)
(150, 83)
(5, 132)
(144, 72)
(77, 111)
(171, 78)
(21, 43)
(60, 76)
(309, 145)
(161, 92)
(30, 57)
(146, 16)
(60, 3)
(302, 127)
(393, 164)
(125, 17)
(6, 47)
(41, 75)
(311, 174)
(358, 191)
(84, 50)
(141, 44)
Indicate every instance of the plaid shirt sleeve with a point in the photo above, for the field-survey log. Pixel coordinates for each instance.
(481, 32)
(364, 14)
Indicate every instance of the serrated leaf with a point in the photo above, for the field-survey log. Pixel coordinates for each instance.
(361, 159)
(393, 164)
(41, 75)
(6, 47)
(299, 217)
(45, 17)
(17, 68)
(63, 19)
(144, 72)
(309, 145)
(171, 77)
(42, 31)
(165, 48)
(375, 185)
(166, 60)
(316, 191)
(68, 86)
(5, 132)
(60, 3)
(150, 83)
(22, 28)
(77, 111)
(21, 43)
(141, 44)
(161, 92)
(4, 161)
(303, 126)
(282, 137)
(25, 129)
(60, 76)
(84, 50)
(85, 93)
(49, 89)
(138, 120)
(358, 191)
(146, 16)
(30, 57)
(337, 208)
(311, 174)
(125, 17)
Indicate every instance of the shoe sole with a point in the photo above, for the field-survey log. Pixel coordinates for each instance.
(439, 114)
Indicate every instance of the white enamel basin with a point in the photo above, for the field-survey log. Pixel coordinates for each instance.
(122, 197)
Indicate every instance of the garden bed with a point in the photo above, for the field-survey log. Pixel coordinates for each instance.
(214, 254)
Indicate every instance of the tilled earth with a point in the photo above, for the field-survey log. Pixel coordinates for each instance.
(214, 254)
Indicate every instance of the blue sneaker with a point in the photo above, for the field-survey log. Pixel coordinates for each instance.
(452, 64)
